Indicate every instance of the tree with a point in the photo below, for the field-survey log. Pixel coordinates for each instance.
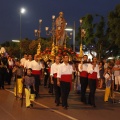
(97, 37)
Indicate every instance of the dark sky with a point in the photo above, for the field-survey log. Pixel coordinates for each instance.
(44, 9)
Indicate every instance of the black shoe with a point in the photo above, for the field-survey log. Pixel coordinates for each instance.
(94, 106)
(57, 104)
(28, 107)
(31, 105)
(3, 88)
(65, 107)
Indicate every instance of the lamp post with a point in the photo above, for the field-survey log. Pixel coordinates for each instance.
(22, 11)
(72, 33)
(82, 34)
(37, 34)
(52, 31)
(38, 31)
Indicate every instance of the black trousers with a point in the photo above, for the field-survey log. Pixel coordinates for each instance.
(84, 84)
(46, 79)
(3, 76)
(50, 86)
(92, 86)
(65, 89)
(57, 91)
(9, 76)
(37, 84)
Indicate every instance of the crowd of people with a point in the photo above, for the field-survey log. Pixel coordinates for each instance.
(58, 77)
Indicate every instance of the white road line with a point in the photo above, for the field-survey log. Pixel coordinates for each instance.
(60, 113)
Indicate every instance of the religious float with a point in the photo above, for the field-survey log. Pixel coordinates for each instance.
(58, 46)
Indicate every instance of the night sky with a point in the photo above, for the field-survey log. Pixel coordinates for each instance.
(44, 9)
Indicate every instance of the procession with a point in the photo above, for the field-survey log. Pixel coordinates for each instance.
(59, 72)
(69, 71)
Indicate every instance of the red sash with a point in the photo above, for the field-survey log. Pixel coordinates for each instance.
(10, 66)
(48, 69)
(83, 74)
(66, 78)
(55, 75)
(93, 76)
(36, 72)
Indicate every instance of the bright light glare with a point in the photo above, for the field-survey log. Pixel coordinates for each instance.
(22, 10)
(15, 40)
(69, 29)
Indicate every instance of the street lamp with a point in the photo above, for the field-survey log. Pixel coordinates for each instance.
(82, 35)
(16, 41)
(38, 31)
(52, 31)
(22, 11)
(72, 33)
(37, 34)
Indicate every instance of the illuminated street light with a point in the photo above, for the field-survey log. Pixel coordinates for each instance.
(38, 31)
(22, 11)
(15, 40)
(73, 30)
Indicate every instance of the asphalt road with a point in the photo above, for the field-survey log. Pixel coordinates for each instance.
(45, 108)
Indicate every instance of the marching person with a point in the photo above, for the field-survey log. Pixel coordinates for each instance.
(82, 67)
(36, 68)
(19, 73)
(28, 63)
(4, 68)
(109, 81)
(116, 70)
(29, 83)
(23, 60)
(64, 80)
(93, 76)
(101, 72)
(53, 74)
(10, 67)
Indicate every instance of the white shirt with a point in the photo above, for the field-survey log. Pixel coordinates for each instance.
(107, 76)
(22, 61)
(35, 65)
(27, 64)
(64, 69)
(96, 69)
(10, 62)
(54, 68)
(117, 72)
(84, 67)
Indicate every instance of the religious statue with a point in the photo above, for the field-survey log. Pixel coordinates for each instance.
(60, 29)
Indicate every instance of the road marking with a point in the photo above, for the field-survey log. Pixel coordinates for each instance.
(60, 113)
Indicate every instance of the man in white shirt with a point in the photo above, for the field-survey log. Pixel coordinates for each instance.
(53, 75)
(82, 67)
(64, 76)
(23, 60)
(36, 71)
(93, 76)
(28, 62)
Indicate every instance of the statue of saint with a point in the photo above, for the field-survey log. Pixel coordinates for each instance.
(60, 29)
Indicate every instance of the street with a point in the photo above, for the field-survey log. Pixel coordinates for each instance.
(44, 107)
